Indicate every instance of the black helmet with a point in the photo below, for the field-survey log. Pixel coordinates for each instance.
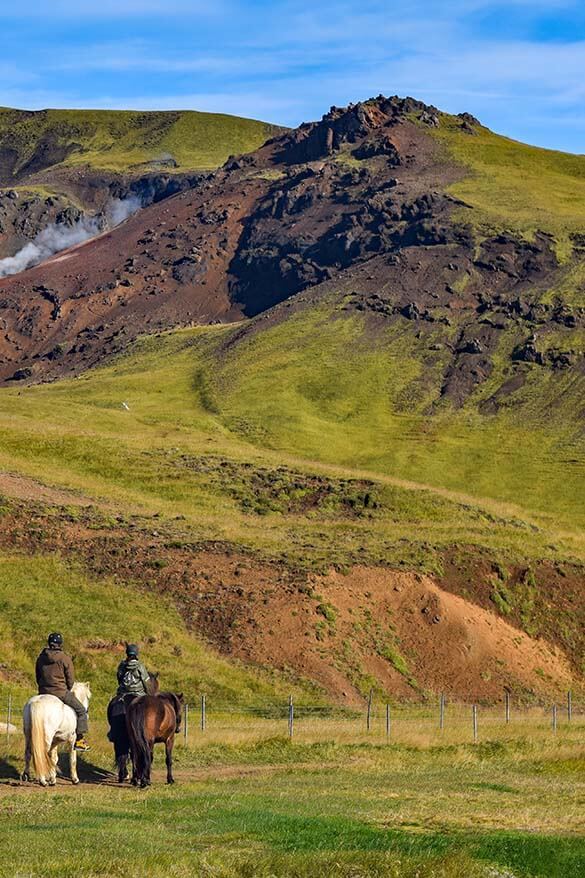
(55, 639)
(131, 650)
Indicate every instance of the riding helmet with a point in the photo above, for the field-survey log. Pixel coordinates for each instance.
(132, 650)
(55, 639)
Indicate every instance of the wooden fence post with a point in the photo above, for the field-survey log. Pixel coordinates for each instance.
(203, 713)
(388, 720)
(554, 717)
(369, 715)
(442, 712)
(507, 707)
(186, 724)
(569, 706)
(291, 716)
(9, 721)
(474, 715)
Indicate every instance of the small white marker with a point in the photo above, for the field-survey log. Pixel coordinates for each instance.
(126, 406)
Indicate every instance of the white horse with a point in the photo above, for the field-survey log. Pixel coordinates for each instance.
(47, 722)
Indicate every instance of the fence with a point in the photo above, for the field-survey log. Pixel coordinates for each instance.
(425, 724)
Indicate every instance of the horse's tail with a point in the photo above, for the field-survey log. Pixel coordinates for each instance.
(38, 741)
(135, 717)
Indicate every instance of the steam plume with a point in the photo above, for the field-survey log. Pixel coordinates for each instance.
(55, 238)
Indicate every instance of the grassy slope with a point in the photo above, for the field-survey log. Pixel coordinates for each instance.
(313, 379)
(286, 397)
(283, 398)
(44, 593)
(119, 140)
(515, 186)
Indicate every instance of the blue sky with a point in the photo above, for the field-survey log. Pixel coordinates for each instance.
(519, 66)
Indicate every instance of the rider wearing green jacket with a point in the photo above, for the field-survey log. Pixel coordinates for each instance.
(132, 675)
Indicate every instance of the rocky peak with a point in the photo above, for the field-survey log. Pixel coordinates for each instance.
(315, 140)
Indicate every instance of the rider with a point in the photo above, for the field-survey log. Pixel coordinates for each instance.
(132, 675)
(55, 676)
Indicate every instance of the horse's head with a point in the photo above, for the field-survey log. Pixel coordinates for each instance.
(153, 685)
(82, 692)
(179, 702)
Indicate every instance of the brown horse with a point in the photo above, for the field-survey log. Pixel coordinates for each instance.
(118, 733)
(152, 719)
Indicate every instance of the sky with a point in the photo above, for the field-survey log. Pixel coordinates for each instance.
(518, 66)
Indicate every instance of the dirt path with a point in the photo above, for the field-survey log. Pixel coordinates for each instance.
(25, 488)
(13, 786)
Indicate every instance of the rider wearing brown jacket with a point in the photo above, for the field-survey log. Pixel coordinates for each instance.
(55, 676)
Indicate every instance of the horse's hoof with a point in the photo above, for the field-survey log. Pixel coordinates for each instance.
(25, 777)
(170, 780)
(42, 782)
(75, 780)
(53, 782)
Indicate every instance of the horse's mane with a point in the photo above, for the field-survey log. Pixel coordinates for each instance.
(81, 691)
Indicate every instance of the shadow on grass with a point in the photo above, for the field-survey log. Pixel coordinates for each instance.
(8, 770)
(87, 771)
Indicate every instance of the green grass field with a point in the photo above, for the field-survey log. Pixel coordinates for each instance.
(272, 808)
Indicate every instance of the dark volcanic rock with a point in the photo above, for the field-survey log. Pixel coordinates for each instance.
(528, 352)
(350, 124)
(186, 270)
(21, 374)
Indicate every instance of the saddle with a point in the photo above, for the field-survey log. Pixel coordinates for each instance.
(118, 706)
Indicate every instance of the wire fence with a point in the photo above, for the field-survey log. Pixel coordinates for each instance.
(442, 721)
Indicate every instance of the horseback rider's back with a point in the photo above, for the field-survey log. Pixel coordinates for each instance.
(55, 676)
(54, 671)
(132, 675)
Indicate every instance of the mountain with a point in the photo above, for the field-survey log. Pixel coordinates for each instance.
(360, 459)
(377, 196)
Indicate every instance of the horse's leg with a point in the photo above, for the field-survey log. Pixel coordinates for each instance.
(73, 762)
(146, 766)
(135, 763)
(124, 748)
(122, 766)
(27, 757)
(53, 759)
(135, 766)
(134, 778)
(44, 778)
(121, 748)
(169, 758)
